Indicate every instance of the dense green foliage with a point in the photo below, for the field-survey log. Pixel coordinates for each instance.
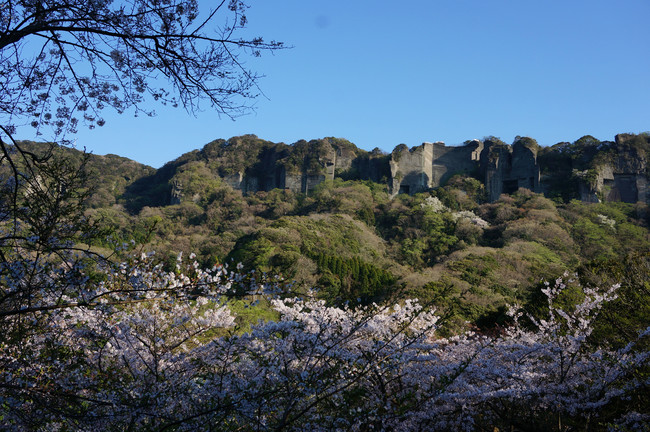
(345, 278)
(351, 240)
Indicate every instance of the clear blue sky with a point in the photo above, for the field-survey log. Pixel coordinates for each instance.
(381, 73)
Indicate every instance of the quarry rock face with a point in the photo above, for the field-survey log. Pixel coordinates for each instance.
(177, 193)
(249, 164)
(503, 168)
(617, 171)
(412, 170)
(510, 168)
(621, 176)
(431, 165)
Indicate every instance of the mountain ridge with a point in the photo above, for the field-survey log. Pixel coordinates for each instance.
(353, 238)
(588, 169)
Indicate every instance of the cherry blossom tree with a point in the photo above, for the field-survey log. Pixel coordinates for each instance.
(172, 360)
(61, 64)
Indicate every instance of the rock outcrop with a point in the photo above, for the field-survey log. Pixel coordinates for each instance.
(620, 174)
(587, 169)
(250, 164)
(431, 165)
(503, 168)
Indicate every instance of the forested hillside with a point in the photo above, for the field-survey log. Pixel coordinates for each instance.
(350, 241)
(168, 299)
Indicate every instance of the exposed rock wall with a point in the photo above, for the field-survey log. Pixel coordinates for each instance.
(431, 165)
(412, 170)
(616, 171)
(504, 168)
(494, 161)
(509, 168)
(299, 168)
(622, 175)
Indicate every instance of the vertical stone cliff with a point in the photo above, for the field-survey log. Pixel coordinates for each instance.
(431, 165)
(618, 173)
(592, 170)
(504, 168)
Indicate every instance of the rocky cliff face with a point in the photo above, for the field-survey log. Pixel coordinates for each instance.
(587, 169)
(503, 168)
(250, 164)
(620, 173)
(509, 168)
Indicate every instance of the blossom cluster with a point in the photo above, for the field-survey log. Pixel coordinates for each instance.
(153, 349)
(435, 205)
(607, 221)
